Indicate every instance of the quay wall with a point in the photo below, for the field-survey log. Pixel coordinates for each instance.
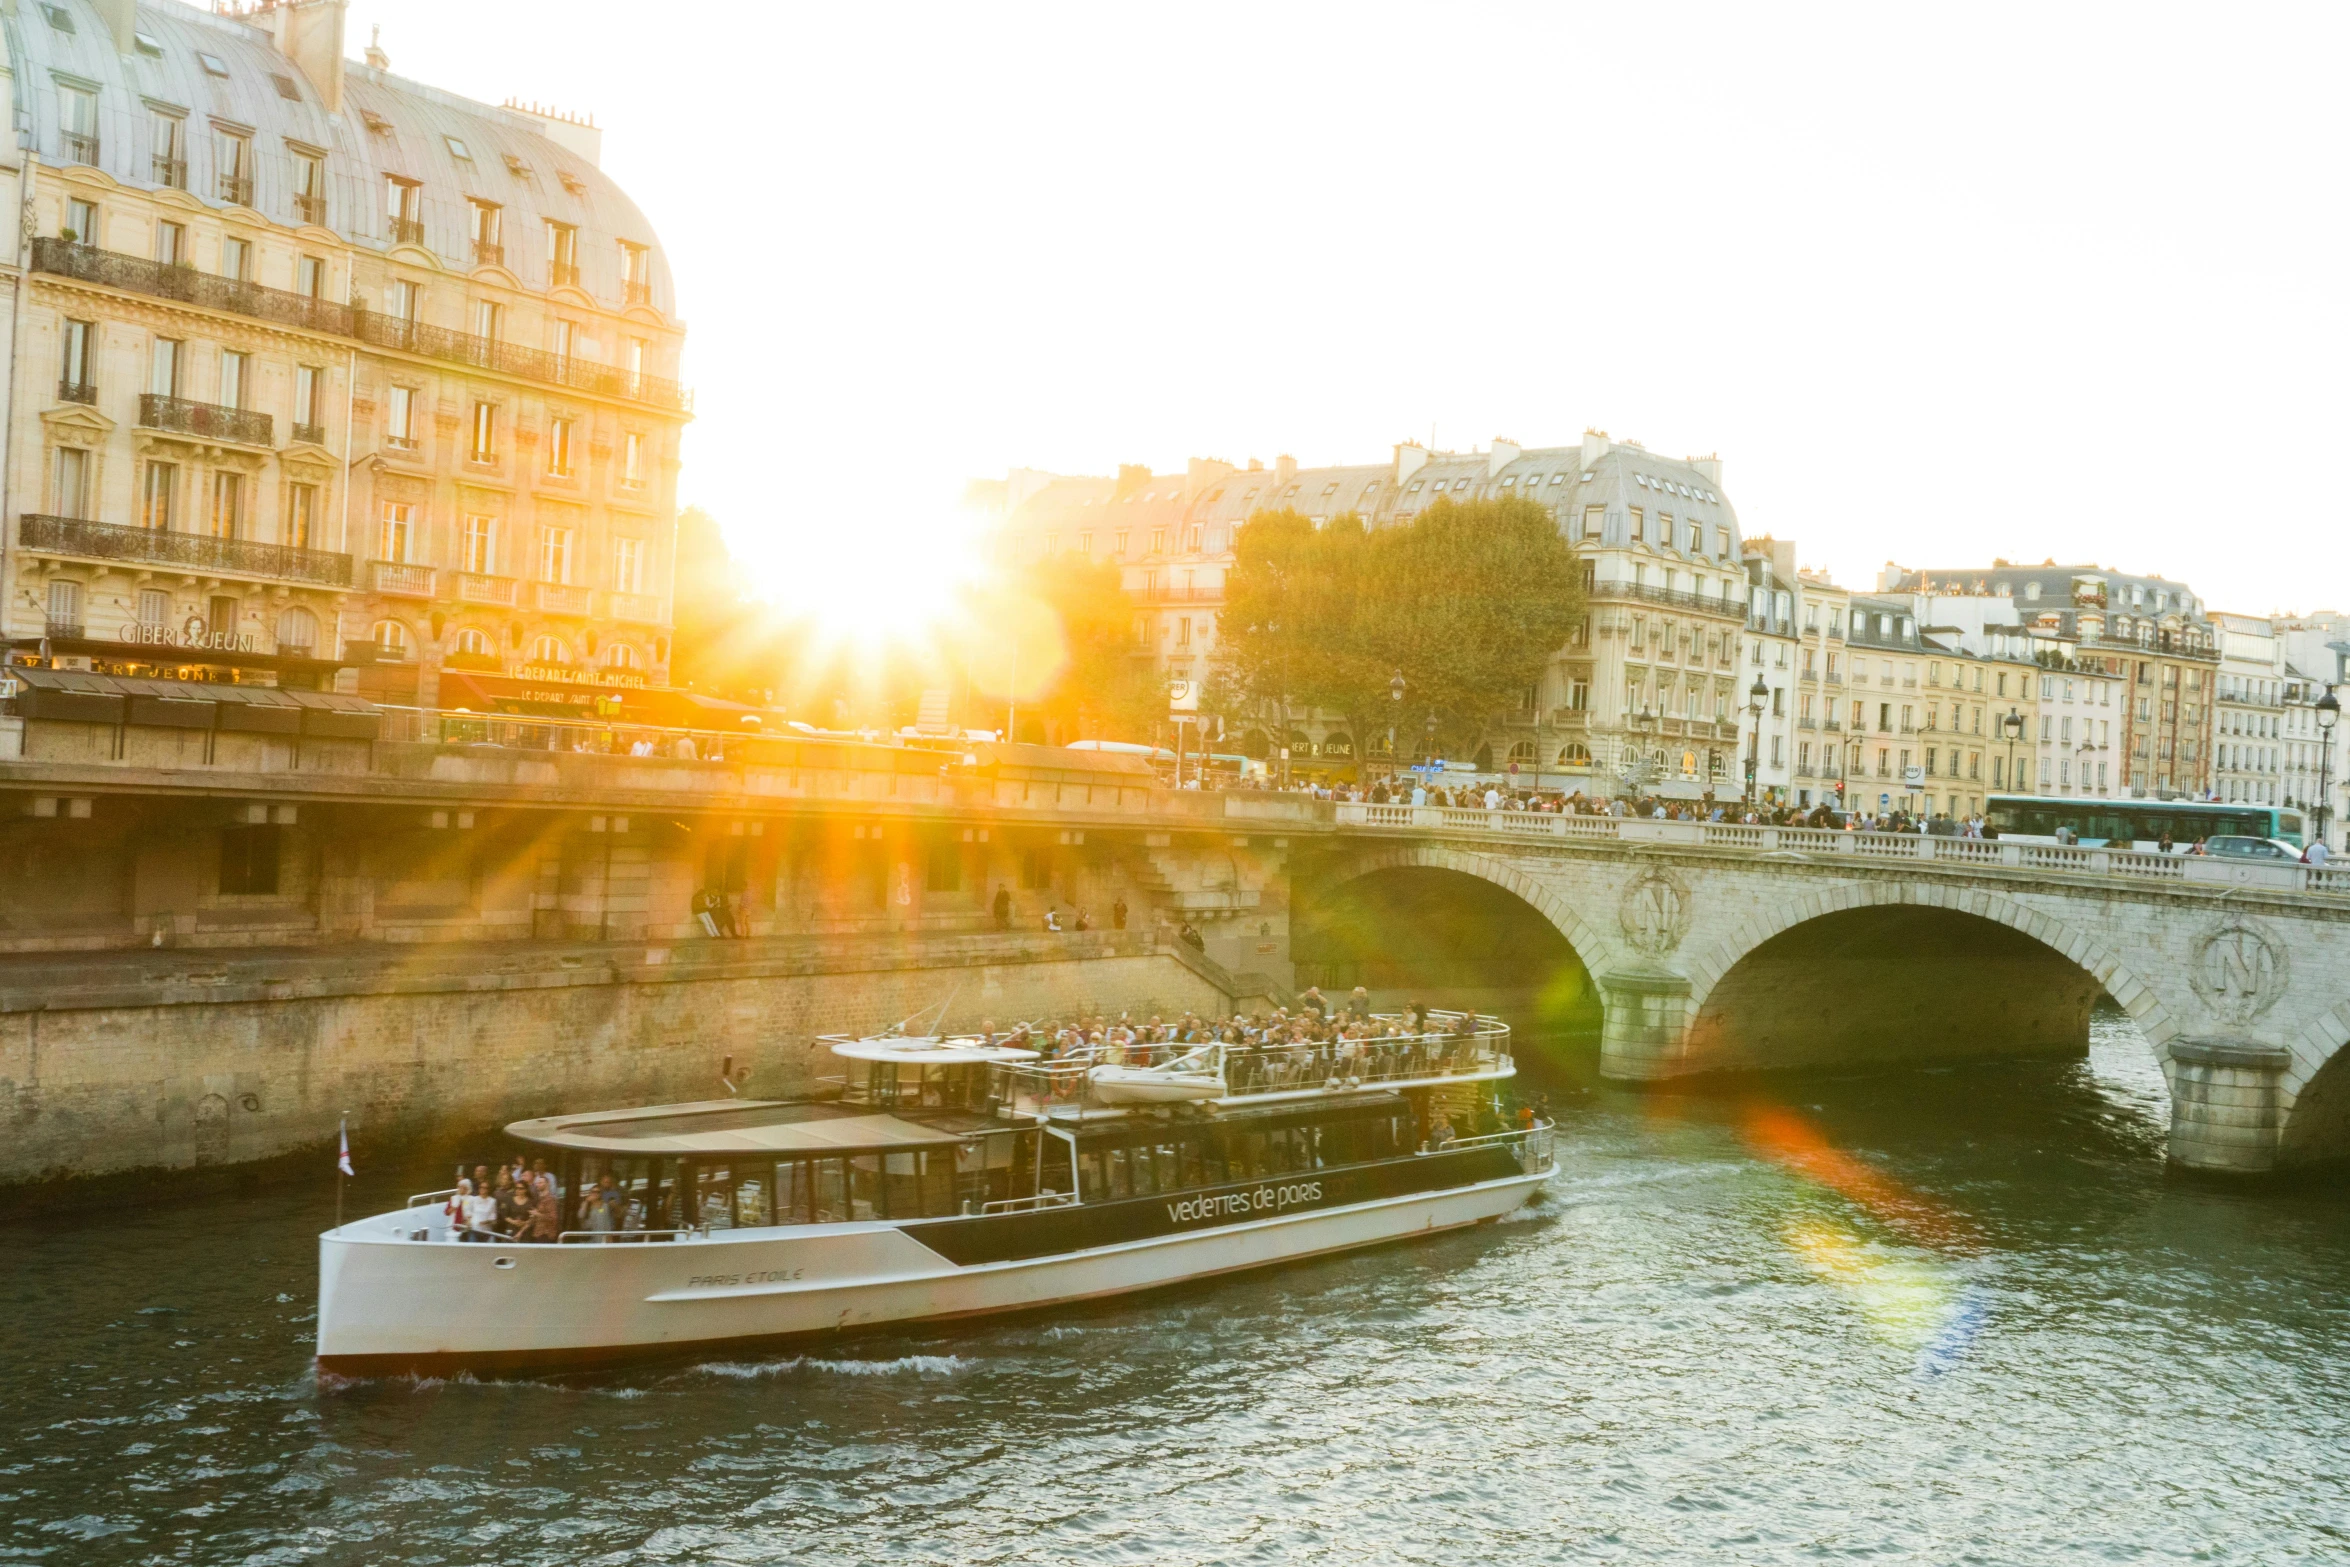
(127, 1064)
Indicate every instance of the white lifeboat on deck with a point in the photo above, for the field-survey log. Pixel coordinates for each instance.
(1152, 1085)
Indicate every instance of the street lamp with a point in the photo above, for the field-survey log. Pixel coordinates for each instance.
(2012, 726)
(1395, 694)
(1757, 698)
(2329, 713)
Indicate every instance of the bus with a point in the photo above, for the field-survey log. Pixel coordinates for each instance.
(2139, 824)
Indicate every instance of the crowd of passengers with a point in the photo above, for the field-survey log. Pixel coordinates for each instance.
(1346, 1038)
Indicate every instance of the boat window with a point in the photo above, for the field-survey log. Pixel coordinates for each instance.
(864, 1186)
(832, 1190)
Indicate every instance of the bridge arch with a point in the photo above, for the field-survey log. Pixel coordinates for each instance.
(1413, 874)
(1901, 971)
(2314, 1093)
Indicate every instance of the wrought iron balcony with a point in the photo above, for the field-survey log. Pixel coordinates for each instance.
(400, 579)
(134, 274)
(237, 189)
(310, 209)
(80, 147)
(488, 253)
(76, 392)
(170, 172)
(636, 293)
(407, 231)
(562, 274)
(315, 434)
(208, 420)
(241, 557)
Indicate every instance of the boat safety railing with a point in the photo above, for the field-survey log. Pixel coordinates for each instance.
(1532, 1143)
(1446, 1045)
(421, 1198)
(1028, 1204)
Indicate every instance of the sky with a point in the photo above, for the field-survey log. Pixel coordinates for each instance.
(1938, 284)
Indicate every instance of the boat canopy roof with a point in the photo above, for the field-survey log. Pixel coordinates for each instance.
(971, 1051)
(768, 1128)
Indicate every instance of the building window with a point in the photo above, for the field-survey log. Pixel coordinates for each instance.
(549, 651)
(73, 482)
(233, 370)
(170, 160)
(307, 386)
(302, 516)
(403, 300)
(154, 609)
(560, 335)
(236, 260)
(485, 432)
(297, 631)
(233, 154)
(73, 370)
(391, 640)
(478, 545)
(310, 188)
(636, 274)
(310, 277)
(404, 206)
(555, 555)
(487, 318)
(486, 227)
(65, 607)
(559, 448)
(562, 255)
(155, 492)
(400, 417)
(395, 533)
(228, 504)
(77, 113)
(620, 655)
(248, 860)
(163, 368)
(628, 565)
(473, 644)
(632, 458)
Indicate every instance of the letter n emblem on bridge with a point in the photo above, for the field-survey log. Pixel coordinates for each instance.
(2239, 970)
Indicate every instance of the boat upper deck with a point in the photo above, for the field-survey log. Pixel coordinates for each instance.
(778, 1127)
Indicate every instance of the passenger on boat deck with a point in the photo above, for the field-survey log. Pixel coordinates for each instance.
(544, 1223)
(1440, 1131)
(603, 1208)
(481, 1217)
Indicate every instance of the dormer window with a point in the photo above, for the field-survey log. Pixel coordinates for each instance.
(458, 149)
(375, 122)
(562, 255)
(212, 65)
(572, 182)
(487, 219)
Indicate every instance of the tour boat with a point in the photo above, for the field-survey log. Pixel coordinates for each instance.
(937, 1178)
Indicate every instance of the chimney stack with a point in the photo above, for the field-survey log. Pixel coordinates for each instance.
(1284, 468)
(1410, 457)
(1595, 446)
(310, 33)
(122, 20)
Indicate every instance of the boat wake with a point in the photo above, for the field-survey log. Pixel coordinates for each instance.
(903, 1365)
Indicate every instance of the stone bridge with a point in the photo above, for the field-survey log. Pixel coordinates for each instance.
(1715, 949)
(178, 874)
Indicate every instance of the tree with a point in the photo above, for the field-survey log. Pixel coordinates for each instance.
(1100, 689)
(1468, 602)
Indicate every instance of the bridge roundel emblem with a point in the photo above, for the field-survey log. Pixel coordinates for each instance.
(2239, 970)
(1654, 912)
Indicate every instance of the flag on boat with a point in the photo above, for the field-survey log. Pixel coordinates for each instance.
(343, 1153)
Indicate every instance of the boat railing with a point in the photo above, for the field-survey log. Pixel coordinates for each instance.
(619, 1237)
(1532, 1143)
(1458, 1045)
(1033, 1204)
(421, 1198)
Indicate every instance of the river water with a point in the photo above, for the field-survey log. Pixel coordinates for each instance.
(1942, 1316)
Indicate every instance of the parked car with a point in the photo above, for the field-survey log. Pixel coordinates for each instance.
(2233, 847)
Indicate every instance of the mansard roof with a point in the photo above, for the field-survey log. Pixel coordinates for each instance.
(388, 126)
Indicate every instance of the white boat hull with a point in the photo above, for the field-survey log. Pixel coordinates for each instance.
(389, 1304)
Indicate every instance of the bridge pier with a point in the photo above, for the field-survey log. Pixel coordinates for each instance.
(1644, 1028)
(2227, 1105)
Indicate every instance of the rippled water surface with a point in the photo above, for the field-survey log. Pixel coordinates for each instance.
(1939, 1317)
